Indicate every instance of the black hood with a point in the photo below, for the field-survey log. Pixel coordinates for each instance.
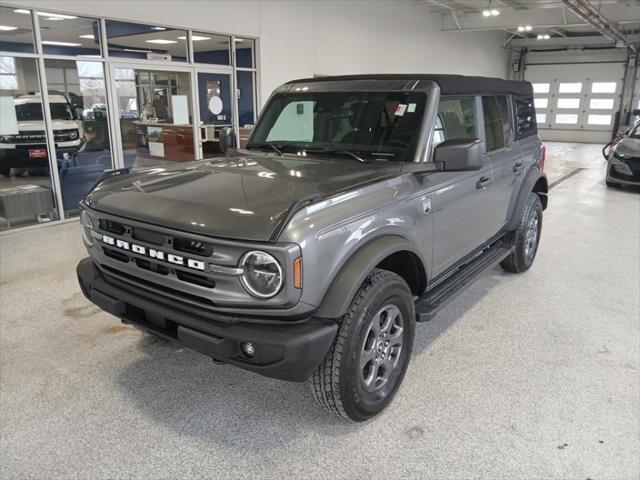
(243, 196)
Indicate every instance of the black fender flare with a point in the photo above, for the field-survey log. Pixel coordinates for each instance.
(533, 176)
(355, 270)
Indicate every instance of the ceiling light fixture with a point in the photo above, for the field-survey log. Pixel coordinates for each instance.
(158, 28)
(50, 16)
(239, 40)
(61, 44)
(528, 28)
(7, 28)
(87, 36)
(546, 36)
(490, 12)
(521, 28)
(195, 38)
(161, 41)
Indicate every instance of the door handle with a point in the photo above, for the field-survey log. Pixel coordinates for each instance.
(518, 168)
(483, 183)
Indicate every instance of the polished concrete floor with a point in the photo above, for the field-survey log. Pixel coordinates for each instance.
(524, 376)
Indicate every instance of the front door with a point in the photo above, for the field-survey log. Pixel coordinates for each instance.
(462, 203)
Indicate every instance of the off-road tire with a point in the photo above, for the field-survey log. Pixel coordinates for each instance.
(519, 261)
(337, 384)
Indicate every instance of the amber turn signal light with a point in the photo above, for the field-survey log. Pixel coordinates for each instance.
(297, 272)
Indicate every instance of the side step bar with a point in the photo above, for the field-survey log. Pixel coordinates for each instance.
(428, 306)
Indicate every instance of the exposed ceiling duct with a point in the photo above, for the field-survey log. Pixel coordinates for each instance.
(589, 14)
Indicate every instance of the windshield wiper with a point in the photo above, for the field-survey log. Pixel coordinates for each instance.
(265, 144)
(338, 152)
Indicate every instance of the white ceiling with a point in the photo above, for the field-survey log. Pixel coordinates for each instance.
(546, 16)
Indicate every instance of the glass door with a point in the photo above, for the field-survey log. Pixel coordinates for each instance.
(215, 109)
(154, 110)
(78, 104)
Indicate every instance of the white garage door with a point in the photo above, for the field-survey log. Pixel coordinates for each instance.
(576, 102)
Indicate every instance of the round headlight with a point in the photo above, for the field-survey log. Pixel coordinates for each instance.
(73, 134)
(262, 275)
(87, 228)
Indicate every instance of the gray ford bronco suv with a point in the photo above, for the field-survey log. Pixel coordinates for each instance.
(360, 206)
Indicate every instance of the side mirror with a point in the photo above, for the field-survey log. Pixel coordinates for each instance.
(459, 154)
(227, 139)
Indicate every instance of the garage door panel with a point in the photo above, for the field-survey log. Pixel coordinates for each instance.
(576, 102)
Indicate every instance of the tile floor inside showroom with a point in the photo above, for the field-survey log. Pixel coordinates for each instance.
(524, 376)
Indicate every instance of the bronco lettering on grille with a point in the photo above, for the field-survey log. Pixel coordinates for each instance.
(153, 253)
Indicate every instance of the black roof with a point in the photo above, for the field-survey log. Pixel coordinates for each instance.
(449, 84)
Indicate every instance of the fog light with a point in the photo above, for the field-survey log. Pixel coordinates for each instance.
(248, 349)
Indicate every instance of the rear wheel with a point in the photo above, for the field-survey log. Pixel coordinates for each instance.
(526, 238)
(365, 366)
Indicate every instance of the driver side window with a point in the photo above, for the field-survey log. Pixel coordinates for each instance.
(456, 118)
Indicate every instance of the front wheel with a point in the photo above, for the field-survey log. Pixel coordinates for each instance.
(367, 362)
(526, 238)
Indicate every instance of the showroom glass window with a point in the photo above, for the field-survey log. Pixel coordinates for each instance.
(245, 52)
(211, 49)
(146, 42)
(16, 32)
(69, 35)
(381, 126)
(26, 192)
(496, 121)
(457, 118)
(78, 102)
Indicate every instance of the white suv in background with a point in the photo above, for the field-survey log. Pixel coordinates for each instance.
(28, 148)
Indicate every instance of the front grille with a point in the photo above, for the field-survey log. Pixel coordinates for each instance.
(112, 227)
(177, 294)
(116, 255)
(36, 136)
(152, 267)
(148, 236)
(125, 236)
(195, 279)
(192, 246)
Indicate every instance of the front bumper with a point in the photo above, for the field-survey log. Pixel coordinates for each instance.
(18, 157)
(288, 352)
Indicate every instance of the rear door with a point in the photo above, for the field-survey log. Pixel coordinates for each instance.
(461, 202)
(505, 159)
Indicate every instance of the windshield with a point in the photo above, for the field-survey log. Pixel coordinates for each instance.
(382, 126)
(33, 111)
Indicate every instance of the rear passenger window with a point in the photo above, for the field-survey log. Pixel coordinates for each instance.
(496, 121)
(525, 115)
(456, 119)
